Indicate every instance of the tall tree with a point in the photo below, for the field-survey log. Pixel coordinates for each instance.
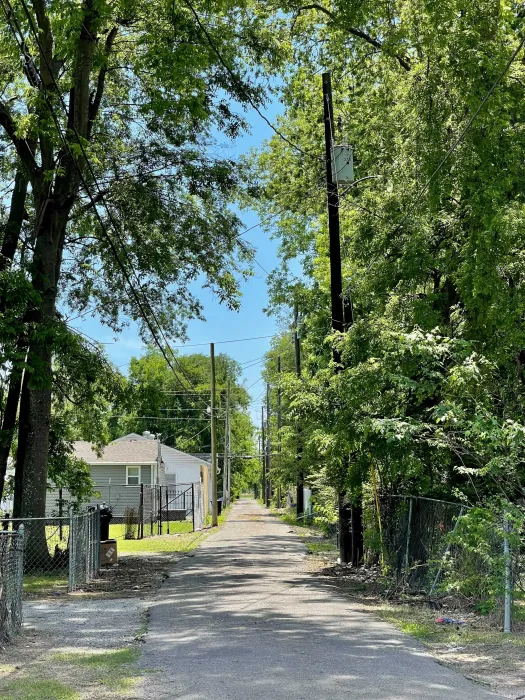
(120, 99)
(431, 97)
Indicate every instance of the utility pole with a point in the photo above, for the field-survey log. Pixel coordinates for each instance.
(214, 516)
(268, 495)
(299, 454)
(226, 456)
(346, 549)
(279, 427)
(229, 444)
(263, 457)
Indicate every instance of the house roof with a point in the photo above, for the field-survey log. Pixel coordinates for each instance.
(122, 451)
(133, 449)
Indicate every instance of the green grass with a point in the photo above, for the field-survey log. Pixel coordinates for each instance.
(32, 689)
(421, 624)
(162, 544)
(113, 668)
(117, 531)
(290, 518)
(316, 547)
(45, 584)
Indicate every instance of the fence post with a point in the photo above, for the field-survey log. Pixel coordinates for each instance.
(140, 534)
(409, 529)
(97, 539)
(71, 581)
(193, 506)
(159, 509)
(507, 623)
(20, 573)
(167, 513)
(60, 513)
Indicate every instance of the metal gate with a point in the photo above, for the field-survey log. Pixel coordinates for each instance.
(161, 506)
(177, 505)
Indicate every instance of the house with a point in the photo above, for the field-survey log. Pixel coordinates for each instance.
(117, 471)
(181, 468)
(126, 463)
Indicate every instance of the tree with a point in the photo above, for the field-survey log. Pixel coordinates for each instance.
(178, 409)
(108, 117)
(432, 389)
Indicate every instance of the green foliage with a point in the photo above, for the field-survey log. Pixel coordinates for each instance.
(431, 390)
(475, 564)
(177, 408)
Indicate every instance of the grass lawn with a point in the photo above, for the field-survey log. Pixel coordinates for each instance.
(45, 584)
(33, 689)
(118, 531)
(179, 541)
(162, 544)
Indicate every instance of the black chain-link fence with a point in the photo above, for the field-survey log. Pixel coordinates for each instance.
(413, 533)
(11, 577)
(46, 544)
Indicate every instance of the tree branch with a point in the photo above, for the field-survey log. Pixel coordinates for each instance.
(46, 42)
(402, 60)
(25, 153)
(97, 99)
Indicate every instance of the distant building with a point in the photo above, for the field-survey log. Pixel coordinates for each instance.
(126, 463)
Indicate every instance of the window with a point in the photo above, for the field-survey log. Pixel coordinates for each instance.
(132, 476)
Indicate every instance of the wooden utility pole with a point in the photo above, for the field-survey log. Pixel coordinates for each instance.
(279, 427)
(214, 515)
(299, 453)
(227, 446)
(336, 291)
(268, 495)
(263, 457)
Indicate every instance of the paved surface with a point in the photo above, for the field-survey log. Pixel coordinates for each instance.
(240, 620)
(85, 624)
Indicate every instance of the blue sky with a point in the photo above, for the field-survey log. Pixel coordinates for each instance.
(221, 324)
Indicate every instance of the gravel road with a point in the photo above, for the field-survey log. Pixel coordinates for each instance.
(241, 620)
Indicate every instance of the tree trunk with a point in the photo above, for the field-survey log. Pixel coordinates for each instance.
(9, 423)
(20, 452)
(37, 395)
(13, 226)
(10, 240)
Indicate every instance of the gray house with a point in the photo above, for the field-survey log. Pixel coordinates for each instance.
(118, 471)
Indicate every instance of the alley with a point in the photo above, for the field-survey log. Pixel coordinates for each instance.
(241, 620)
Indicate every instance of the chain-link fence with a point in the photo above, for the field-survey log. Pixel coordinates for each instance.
(11, 578)
(414, 534)
(46, 544)
(67, 547)
(84, 548)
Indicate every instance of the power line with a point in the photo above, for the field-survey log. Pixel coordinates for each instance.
(247, 95)
(256, 359)
(222, 342)
(251, 385)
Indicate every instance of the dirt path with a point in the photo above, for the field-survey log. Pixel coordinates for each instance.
(241, 620)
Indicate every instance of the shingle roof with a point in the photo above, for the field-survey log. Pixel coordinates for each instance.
(171, 451)
(132, 451)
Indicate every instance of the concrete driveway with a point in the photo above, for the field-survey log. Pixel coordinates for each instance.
(240, 620)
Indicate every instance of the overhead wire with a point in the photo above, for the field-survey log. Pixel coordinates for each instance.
(240, 84)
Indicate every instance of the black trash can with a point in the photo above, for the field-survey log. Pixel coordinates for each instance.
(219, 506)
(105, 518)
